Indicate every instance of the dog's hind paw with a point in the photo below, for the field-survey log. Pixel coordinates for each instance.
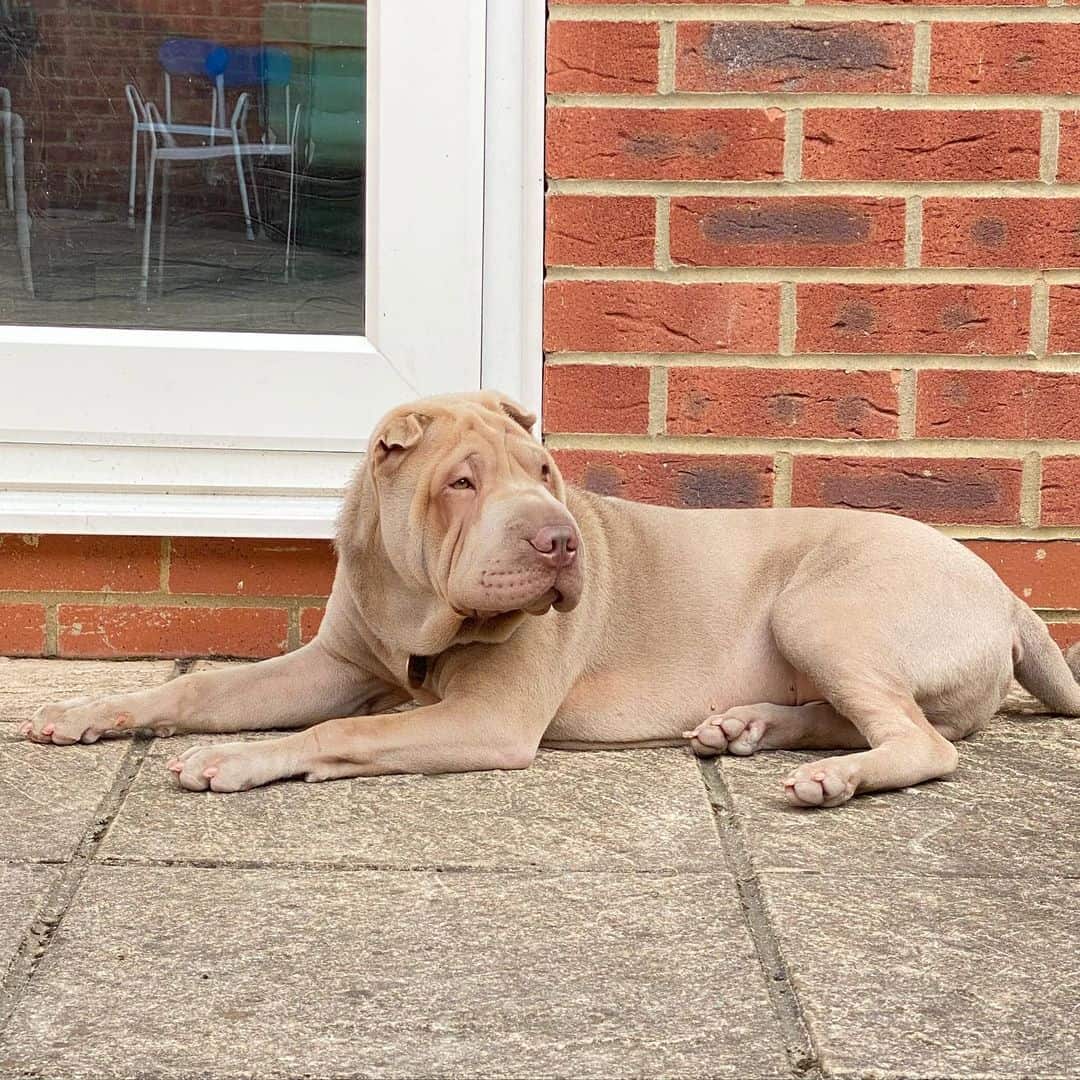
(708, 738)
(820, 783)
(738, 731)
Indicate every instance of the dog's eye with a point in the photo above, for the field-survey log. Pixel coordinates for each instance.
(462, 484)
(545, 472)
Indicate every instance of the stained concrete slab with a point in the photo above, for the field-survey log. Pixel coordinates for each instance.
(643, 809)
(49, 795)
(27, 684)
(182, 972)
(1012, 809)
(22, 891)
(903, 977)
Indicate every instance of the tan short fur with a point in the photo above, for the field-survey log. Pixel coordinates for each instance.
(517, 611)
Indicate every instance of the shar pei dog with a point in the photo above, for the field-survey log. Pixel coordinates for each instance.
(518, 612)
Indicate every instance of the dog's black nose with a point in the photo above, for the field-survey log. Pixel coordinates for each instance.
(557, 543)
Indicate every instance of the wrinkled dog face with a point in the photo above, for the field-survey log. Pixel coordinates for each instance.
(479, 506)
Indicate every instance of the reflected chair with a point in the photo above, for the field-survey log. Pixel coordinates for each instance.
(165, 148)
(178, 57)
(140, 126)
(9, 175)
(15, 183)
(254, 68)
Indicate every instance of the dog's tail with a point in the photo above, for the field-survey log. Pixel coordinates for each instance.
(1040, 668)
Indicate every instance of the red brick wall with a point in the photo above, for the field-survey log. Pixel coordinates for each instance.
(824, 259)
(100, 596)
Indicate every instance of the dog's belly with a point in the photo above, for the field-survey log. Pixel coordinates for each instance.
(651, 705)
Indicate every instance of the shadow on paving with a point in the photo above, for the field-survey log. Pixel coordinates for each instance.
(593, 916)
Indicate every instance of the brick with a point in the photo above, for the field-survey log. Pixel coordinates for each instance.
(1060, 491)
(251, 567)
(587, 230)
(658, 317)
(782, 403)
(665, 144)
(1044, 573)
(889, 144)
(596, 398)
(602, 57)
(556, 4)
(310, 620)
(787, 232)
(22, 630)
(854, 57)
(1064, 336)
(944, 492)
(1065, 634)
(924, 319)
(86, 563)
(998, 405)
(1005, 58)
(1040, 233)
(686, 480)
(952, 3)
(1069, 147)
(92, 631)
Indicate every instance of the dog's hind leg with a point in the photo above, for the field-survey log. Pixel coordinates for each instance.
(746, 729)
(864, 684)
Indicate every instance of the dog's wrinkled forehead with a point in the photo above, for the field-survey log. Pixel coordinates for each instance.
(485, 413)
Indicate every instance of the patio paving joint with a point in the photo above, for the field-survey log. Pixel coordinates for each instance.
(38, 938)
(803, 1054)
(352, 867)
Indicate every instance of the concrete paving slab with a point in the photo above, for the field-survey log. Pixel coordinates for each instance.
(49, 794)
(22, 891)
(1011, 810)
(181, 972)
(26, 684)
(634, 810)
(903, 977)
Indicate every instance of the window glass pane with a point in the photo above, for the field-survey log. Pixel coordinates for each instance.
(242, 123)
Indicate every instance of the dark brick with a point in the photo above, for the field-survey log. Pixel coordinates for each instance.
(824, 57)
(945, 492)
(688, 480)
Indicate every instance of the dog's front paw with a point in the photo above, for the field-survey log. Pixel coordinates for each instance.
(226, 767)
(77, 720)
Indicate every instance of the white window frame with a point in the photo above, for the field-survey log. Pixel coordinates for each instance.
(485, 309)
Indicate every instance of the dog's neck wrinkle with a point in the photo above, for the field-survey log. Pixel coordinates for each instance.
(404, 617)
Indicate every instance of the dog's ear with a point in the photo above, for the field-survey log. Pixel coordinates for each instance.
(399, 435)
(518, 413)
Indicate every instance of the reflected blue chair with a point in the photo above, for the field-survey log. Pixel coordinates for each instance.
(188, 57)
(263, 69)
(178, 57)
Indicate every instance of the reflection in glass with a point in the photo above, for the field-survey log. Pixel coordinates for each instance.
(183, 164)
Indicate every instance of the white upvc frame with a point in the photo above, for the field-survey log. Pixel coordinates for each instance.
(177, 470)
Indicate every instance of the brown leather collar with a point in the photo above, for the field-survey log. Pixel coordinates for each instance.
(417, 672)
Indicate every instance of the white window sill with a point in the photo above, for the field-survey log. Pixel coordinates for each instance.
(159, 514)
